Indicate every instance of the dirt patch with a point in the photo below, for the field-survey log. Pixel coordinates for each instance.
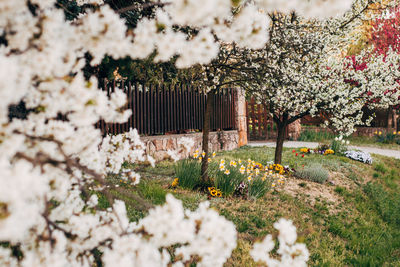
(313, 193)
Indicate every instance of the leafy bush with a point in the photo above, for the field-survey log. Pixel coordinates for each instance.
(339, 146)
(359, 156)
(258, 187)
(189, 173)
(227, 183)
(314, 173)
(313, 136)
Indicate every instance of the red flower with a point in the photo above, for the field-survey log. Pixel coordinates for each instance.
(293, 151)
(302, 156)
(297, 154)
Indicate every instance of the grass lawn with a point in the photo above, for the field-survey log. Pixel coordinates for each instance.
(327, 137)
(352, 220)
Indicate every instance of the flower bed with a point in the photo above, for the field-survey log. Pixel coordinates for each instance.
(239, 178)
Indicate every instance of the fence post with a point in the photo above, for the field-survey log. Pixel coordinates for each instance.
(240, 115)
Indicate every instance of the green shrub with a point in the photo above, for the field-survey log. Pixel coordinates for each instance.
(314, 173)
(227, 183)
(258, 187)
(189, 173)
(339, 147)
(313, 136)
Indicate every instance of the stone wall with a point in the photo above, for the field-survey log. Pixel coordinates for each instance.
(241, 118)
(294, 130)
(157, 146)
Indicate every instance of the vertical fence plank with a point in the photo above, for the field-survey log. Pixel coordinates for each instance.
(234, 94)
(141, 109)
(253, 124)
(260, 124)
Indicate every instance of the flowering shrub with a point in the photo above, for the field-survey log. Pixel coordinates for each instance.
(359, 156)
(277, 168)
(45, 160)
(226, 177)
(290, 252)
(251, 180)
(339, 145)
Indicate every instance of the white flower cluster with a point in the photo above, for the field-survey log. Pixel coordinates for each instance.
(83, 2)
(364, 157)
(202, 233)
(51, 156)
(291, 253)
(117, 149)
(313, 8)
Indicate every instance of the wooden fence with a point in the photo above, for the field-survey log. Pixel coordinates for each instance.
(170, 109)
(260, 125)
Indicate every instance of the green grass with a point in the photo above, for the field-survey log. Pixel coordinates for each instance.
(371, 142)
(327, 137)
(313, 136)
(361, 227)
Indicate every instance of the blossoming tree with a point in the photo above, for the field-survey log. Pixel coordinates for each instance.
(52, 160)
(303, 74)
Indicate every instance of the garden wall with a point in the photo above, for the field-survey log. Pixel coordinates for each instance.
(157, 146)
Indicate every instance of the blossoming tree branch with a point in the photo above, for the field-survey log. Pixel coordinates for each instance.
(53, 158)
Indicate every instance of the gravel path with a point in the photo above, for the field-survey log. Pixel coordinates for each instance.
(295, 144)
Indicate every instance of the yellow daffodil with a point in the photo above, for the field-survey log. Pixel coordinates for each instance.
(203, 154)
(175, 182)
(221, 167)
(209, 159)
(227, 172)
(214, 154)
(329, 151)
(195, 155)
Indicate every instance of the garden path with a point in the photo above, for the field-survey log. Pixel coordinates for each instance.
(296, 144)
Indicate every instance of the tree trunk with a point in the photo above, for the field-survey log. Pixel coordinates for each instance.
(281, 127)
(206, 130)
